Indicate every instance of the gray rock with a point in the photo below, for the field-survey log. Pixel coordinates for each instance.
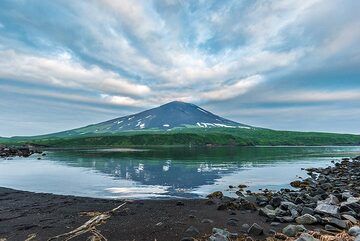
(218, 237)
(306, 219)
(294, 213)
(332, 200)
(206, 220)
(292, 230)
(192, 231)
(306, 237)
(331, 228)
(245, 227)
(288, 205)
(307, 210)
(327, 208)
(222, 235)
(337, 223)
(232, 222)
(274, 224)
(255, 229)
(354, 231)
(286, 219)
(266, 212)
(276, 201)
(188, 239)
(349, 218)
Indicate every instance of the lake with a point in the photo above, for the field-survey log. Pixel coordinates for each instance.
(164, 172)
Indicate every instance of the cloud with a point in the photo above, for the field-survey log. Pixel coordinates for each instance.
(61, 70)
(230, 91)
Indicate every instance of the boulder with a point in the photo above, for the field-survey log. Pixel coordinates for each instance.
(327, 209)
(337, 223)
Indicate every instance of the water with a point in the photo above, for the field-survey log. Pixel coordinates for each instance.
(164, 172)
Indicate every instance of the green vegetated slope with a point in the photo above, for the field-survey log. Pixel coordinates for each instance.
(193, 136)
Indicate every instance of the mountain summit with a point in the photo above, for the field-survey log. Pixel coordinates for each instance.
(172, 115)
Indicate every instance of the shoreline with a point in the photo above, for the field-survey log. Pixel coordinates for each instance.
(46, 215)
(327, 203)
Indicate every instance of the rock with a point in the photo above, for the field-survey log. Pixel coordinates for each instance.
(242, 186)
(292, 230)
(307, 210)
(245, 227)
(349, 218)
(337, 223)
(299, 184)
(232, 222)
(216, 194)
(256, 229)
(306, 219)
(218, 237)
(192, 231)
(288, 206)
(331, 228)
(332, 200)
(285, 219)
(222, 235)
(276, 201)
(266, 212)
(306, 237)
(206, 220)
(180, 203)
(327, 209)
(188, 239)
(354, 231)
(351, 203)
(274, 224)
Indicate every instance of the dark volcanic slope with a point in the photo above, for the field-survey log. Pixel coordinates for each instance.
(171, 115)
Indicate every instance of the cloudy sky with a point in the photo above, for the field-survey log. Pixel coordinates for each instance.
(292, 65)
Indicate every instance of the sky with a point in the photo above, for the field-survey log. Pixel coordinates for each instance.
(287, 65)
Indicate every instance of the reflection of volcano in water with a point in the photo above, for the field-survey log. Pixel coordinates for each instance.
(182, 170)
(175, 175)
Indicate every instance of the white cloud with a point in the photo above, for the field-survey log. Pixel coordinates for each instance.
(230, 91)
(62, 70)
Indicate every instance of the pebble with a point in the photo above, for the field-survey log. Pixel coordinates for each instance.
(206, 220)
(192, 231)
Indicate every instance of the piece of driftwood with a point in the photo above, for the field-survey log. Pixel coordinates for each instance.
(89, 227)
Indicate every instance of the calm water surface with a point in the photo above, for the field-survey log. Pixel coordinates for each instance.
(164, 172)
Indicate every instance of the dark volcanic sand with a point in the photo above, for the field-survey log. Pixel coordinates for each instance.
(46, 215)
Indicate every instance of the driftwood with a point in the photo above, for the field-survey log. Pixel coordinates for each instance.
(89, 227)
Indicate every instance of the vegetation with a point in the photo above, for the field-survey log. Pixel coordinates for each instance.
(192, 136)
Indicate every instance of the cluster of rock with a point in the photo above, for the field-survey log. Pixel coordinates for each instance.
(23, 151)
(328, 201)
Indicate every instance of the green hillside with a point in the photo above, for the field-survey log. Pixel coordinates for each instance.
(192, 136)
